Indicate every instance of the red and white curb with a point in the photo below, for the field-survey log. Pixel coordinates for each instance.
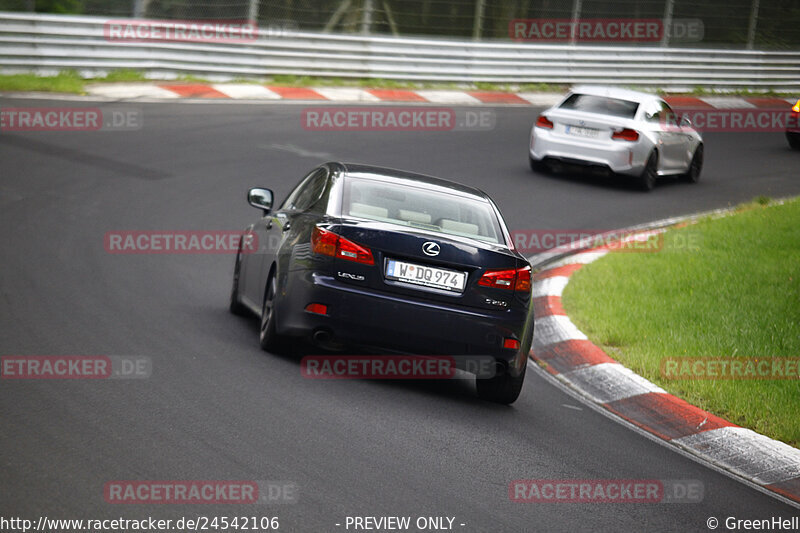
(575, 361)
(255, 92)
(251, 91)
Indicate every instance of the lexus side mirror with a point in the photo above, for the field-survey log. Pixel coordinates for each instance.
(260, 198)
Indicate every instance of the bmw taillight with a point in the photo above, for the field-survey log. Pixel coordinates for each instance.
(329, 243)
(544, 122)
(625, 135)
(512, 279)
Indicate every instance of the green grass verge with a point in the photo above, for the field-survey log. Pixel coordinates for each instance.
(71, 82)
(65, 82)
(724, 287)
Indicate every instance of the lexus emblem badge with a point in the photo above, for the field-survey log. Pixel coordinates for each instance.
(431, 248)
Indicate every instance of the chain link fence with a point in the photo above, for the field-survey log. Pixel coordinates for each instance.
(745, 24)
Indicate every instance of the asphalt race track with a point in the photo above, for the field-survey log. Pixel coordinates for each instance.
(218, 408)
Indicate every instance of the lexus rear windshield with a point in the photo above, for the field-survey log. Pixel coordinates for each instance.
(602, 105)
(421, 208)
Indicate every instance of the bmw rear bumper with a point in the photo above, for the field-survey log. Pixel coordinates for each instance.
(620, 157)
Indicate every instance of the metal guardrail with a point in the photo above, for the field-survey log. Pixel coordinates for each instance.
(50, 43)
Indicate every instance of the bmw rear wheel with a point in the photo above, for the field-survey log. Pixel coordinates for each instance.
(647, 180)
(696, 166)
(537, 166)
(794, 140)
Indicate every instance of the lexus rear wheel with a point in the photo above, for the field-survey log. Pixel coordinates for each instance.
(268, 337)
(235, 306)
(504, 388)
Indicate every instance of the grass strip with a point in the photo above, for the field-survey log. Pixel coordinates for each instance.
(721, 288)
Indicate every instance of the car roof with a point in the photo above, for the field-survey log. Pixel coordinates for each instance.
(422, 181)
(615, 92)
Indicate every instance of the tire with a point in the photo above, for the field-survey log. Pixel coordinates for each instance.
(502, 389)
(268, 338)
(794, 140)
(696, 166)
(647, 180)
(235, 306)
(537, 166)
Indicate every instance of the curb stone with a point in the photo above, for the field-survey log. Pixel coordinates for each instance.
(585, 368)
(256, 92)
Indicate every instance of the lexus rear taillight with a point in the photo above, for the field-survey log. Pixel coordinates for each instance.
(523, 280)
(328, 243)
(514, 280)
(510, 344)
(543, 122)
(324, 242)
(625, 135)
(317, 309)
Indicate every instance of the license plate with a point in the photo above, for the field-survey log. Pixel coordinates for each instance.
(582, 132)
(425, 276)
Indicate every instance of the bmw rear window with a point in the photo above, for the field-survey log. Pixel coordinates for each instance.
(602, 105)
(421, 208)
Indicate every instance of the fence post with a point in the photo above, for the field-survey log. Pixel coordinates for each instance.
(140, 8)
(252, 12)
(366, 22)
(751, 30)
(666, 23)
(478, 24)
(576, 16)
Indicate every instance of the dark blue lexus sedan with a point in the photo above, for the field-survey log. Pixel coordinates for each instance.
(373, 257)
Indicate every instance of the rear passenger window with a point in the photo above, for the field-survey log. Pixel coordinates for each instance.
(660, 112)
(308, 192)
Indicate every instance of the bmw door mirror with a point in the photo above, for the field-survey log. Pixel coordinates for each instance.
(260, 198)
(686, 123)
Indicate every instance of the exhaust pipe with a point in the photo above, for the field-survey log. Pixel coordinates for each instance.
(324, 339)
(322, 336)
